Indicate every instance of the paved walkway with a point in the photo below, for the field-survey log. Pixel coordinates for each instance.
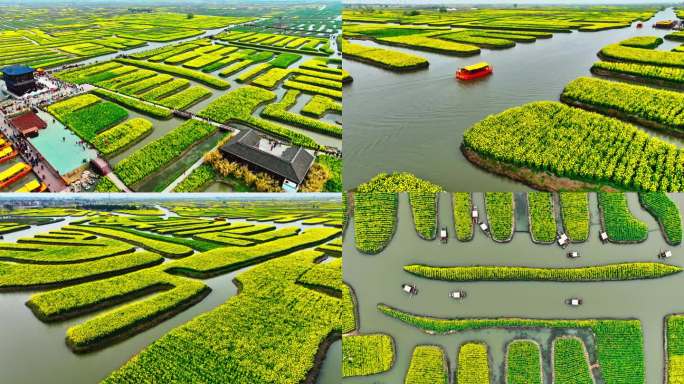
(119, 184)
(54, 91)
(329, 150)
(41, 168)
(184, 175)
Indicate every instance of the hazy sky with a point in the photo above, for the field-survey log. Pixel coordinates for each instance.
(155, 2)
(519, 2)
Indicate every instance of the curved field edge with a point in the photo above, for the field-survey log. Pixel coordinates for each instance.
(619, 342)
(424, 211)
(7, 284)
(575, 215)
(375, 220)
(269, 304)
(673, 332)
(609, 272)
(428, 365)
(136, 327)
(462, 205)
(584, 150)
(570, 361)
(618, 221)
(540, 180)
(500, 210)
(541, 215)
(173, 294)
(367, 354)
(523, 362)
(666, 213)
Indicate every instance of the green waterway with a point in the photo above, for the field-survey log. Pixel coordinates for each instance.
(378, 278)
(60, 146)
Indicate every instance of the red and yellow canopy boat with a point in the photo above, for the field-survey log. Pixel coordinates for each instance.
(13, 173)
(33, 186)
(7, 153)
(474, 71)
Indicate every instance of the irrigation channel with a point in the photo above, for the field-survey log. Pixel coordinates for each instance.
(33, 351)
(378, 278)
(170, 173)
(414, 121)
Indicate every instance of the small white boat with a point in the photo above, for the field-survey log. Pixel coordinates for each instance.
(563, 240)
(475, 214)
(409, 289)
(666, 254)
(484, 227)
(574, 302)
(457, 295)
(573, 254)
(603, 236)
(443, 235)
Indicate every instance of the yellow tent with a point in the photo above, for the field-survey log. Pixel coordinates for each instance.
(476, 67)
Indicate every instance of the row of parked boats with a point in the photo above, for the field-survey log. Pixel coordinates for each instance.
(412, 290)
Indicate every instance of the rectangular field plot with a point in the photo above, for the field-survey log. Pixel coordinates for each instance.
(204, 79)
(49, 46)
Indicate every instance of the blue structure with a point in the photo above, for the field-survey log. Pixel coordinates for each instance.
(19, 79)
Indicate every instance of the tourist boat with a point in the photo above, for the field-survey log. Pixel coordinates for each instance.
(457, 295)
(574, 302)
(475, 71)
(563, 240)
(7, 153)
(13, 173)
(664, 24)
(666, 254)
(443, 235)
(33, 186)
(474, 214)
(484, 227)
(603, 236)
(410, 289)
(573, 254)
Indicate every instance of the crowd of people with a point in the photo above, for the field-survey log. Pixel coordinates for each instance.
(28, 152)
(50, 90)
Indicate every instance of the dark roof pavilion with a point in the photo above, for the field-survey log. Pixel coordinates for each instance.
(17, 70)
(291, 163)
(19, 79)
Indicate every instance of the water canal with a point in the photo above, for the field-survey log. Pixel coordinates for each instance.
(60, 146)
(378, 278)
(25, 337)
(414, 122)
